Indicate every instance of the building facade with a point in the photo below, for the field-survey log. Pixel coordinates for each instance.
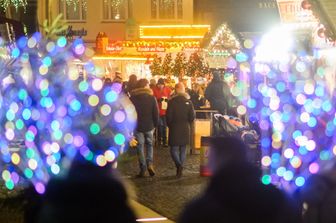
(117, 18)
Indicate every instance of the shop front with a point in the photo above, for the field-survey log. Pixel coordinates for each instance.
(135, 57)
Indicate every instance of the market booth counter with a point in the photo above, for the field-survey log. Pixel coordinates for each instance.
(202, 130)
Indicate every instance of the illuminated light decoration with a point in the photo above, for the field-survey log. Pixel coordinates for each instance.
(266, 161)
(293, 102)
(97, 84)
(44, 123)
(223, 42)
(93, 100)
(111, 96)
(101, 161)
(266, 179)
(5, 4)
(105, 110)
(119, 139)
(241, 110)
(94, 128)
(300, 181)
(120, 58)
(119, 116)
(109, 155)
(40, 188)
(248, 44)
(173, 31)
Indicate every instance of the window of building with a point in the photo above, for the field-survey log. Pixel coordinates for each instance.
(73, 10)
(115, 10)
(167, 9)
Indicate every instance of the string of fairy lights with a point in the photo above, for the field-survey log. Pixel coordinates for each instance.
(224, 42)
(5, 4)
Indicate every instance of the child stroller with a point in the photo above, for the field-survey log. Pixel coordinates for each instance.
(224, 125)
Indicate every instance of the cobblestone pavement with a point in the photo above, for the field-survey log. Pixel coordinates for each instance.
(164, 193)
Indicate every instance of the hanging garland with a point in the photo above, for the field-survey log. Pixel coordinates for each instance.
(5, 4)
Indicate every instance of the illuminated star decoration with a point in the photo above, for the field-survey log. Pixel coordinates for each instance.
(51, 112)
(16, 3)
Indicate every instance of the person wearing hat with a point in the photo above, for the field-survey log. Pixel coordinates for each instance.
(162, 93)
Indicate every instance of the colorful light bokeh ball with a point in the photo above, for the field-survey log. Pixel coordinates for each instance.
(54, 106)
(293, 100)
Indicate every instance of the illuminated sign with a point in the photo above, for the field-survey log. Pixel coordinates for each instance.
(291, 11)
(69, 32)
(112, 49)
(155, 49)
(173, 31)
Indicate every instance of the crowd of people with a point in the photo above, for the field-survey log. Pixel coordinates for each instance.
(234, 194)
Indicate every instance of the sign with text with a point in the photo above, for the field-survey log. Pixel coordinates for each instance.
(291, 11)
(114, 49)
(154, 49)
(70, 32)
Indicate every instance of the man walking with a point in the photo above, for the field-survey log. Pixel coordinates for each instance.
(180, 115)
(148, 117)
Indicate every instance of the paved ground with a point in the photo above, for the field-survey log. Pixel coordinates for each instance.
(164, 193)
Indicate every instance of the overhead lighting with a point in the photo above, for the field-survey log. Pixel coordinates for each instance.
(120, 58)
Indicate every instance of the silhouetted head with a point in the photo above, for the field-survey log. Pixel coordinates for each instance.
(161, 83)
(132, 78)
(142, 83)
(179, 88)
(216, 76)
(152, 82)
(226, 150)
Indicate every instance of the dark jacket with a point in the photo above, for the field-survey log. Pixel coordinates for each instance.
(180, 114)
(88, 194)
(319, 194)
(146, 106)
(197, 100)
(217, 93)
(235, 194)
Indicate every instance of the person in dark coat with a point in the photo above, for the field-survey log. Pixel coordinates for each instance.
(180, 115)
(217, 93)
(131, 84)
(148, 118)
(318, 196)
(235, 193)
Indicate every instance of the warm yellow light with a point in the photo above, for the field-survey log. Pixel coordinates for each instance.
(173, 31)
(171, 37)
(176, 26)
(121, 58)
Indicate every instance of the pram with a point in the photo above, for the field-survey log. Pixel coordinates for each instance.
(224, 125)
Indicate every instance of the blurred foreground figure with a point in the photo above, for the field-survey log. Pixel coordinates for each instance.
(88, 193)
(235, 193)
(318, 196)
